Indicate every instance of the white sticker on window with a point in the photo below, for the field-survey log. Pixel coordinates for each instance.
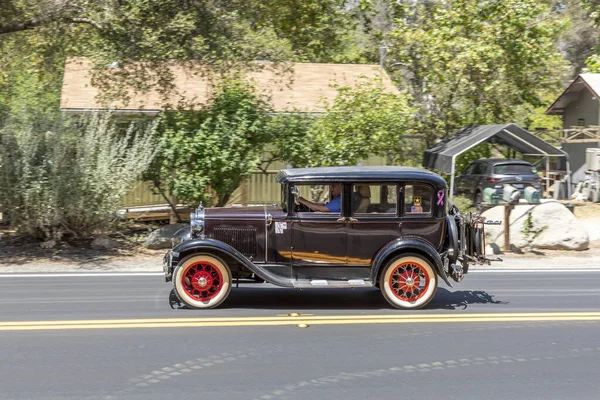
(280, 227)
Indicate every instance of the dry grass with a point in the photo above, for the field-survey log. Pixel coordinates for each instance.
(586, 209)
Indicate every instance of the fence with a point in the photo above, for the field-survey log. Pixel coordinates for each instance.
(260, 188)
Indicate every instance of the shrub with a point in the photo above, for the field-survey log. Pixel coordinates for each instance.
(66, 175)
(464, 204)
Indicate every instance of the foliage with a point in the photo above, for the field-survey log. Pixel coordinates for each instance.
(464, 204)
(484, 150)
(472, 62)
(208, 153)
(290, 139)
(364, 120)
(160, 32)
(581, 38)
(530, 230)
(66, 176)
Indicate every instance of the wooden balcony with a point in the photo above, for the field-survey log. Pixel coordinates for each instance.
(575, 134)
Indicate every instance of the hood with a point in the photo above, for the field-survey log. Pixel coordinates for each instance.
(241, 213)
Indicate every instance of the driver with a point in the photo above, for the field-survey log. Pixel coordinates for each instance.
(335, 205)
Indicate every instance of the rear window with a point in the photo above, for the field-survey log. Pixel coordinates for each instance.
(417, 199)
(514, 169)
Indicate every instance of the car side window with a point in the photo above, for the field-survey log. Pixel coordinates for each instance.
(319, 193)
(469, 170)
(479, 169)
(374, 199)
(417, 199)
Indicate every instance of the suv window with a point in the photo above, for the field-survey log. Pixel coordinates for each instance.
(469, 169)
(417, 199)
(479, 169)
(374, 199)
(514, 169)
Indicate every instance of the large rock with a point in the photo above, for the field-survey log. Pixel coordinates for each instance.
(161, 238)
(541, 226)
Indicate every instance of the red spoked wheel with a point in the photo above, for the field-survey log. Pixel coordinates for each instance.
(408, 281)
(202, 281)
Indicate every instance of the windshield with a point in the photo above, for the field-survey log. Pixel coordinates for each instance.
(514, 169)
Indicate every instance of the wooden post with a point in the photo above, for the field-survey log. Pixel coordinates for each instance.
(507, 210)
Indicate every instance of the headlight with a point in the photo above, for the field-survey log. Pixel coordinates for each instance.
(197, 226)
(197, 222)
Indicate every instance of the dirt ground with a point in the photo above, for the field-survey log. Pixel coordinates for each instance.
(15, 249)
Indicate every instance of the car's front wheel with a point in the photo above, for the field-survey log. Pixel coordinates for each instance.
(202, 281)
(408, 281)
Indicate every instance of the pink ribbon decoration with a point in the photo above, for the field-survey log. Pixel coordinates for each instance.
(440, 195)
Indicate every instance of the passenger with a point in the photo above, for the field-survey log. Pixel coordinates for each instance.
(335, 205)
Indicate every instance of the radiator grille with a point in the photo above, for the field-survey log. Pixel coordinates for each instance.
(241, 239)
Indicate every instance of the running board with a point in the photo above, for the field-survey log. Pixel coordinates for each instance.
(324, 283)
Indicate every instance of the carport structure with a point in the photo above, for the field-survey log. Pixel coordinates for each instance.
(442, 156)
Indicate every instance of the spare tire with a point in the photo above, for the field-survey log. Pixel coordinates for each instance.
(477, 241)
(451, 240)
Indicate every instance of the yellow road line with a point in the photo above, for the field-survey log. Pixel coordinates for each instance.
(309, 320)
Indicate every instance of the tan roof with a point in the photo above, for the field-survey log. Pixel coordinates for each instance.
(302, 89)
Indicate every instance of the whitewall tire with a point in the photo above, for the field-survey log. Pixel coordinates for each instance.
(408, 281)
(202, 281)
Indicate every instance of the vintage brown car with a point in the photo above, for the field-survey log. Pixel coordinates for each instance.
(389, 227)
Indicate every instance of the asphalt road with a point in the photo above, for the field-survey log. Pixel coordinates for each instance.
(504, 335)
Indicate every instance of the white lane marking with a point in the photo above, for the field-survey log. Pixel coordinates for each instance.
(79, 274)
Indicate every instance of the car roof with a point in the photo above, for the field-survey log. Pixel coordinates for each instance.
(503, 161)
(360, 174)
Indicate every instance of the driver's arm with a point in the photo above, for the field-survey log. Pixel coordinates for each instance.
(313, 206)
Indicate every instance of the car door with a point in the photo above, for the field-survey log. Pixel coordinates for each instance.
(374, 220)
(479, 175)
(472, 179)
(318, 238)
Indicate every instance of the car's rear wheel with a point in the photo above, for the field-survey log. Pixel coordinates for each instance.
(408, 281)
(202, 281)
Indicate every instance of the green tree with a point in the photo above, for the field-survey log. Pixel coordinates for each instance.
(160, 32)
(208, 153)
(363, 120)
(473, 62)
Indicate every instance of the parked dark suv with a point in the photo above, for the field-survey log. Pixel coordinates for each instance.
(495, 173)
(389, 227)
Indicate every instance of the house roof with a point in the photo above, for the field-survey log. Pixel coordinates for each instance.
(587, 81)
(439, 156)
(303, 89)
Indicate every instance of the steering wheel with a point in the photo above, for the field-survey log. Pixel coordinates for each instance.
(301, 208)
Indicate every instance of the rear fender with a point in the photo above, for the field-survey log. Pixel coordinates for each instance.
(408, 245)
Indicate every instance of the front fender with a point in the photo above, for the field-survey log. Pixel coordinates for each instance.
(406, 245)
(214, 247)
